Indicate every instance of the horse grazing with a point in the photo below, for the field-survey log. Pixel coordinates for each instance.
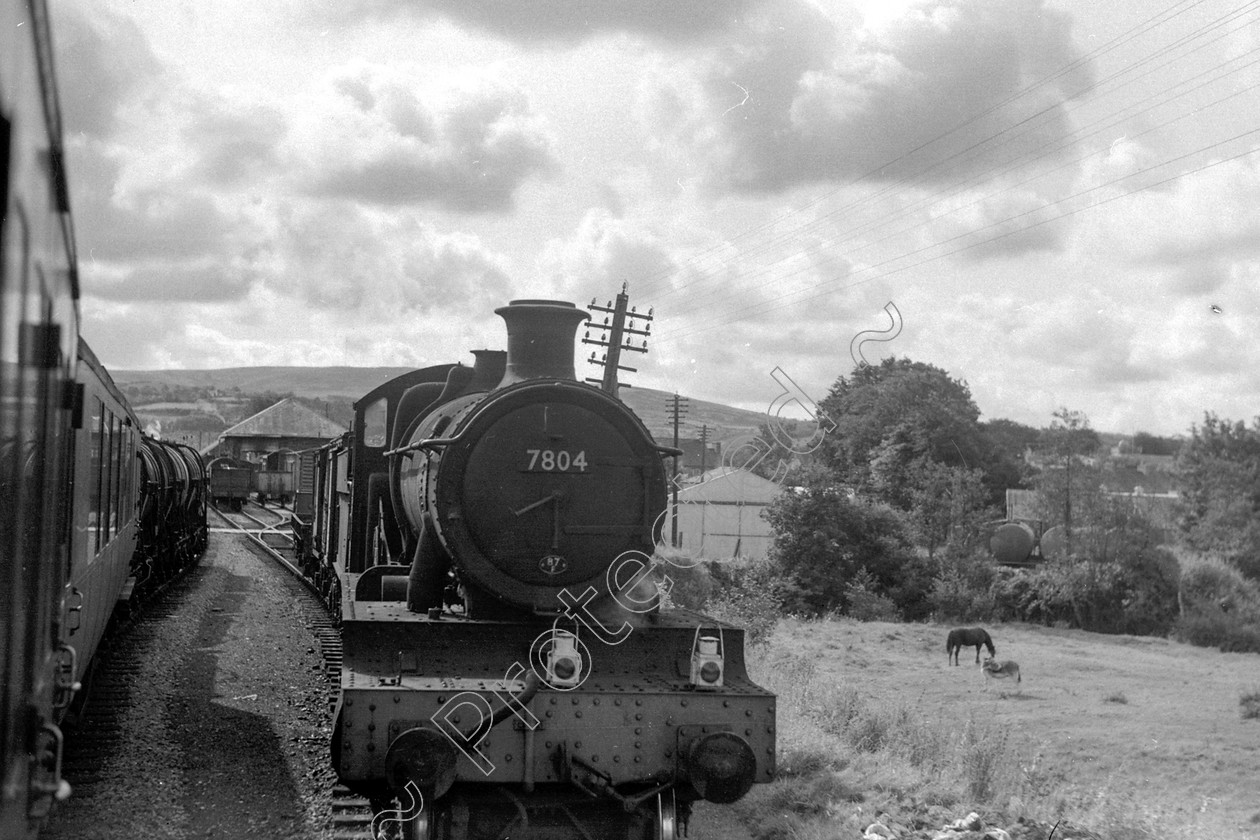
(994, 670)
(959, 639)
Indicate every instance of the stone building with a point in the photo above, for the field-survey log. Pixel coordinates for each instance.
(287, 426)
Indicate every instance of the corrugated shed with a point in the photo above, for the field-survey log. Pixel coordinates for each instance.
(728, 484)
(289, 419)
(721, 516)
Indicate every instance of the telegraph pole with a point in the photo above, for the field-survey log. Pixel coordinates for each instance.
(704, 448)
(675, 408)
(616, 338)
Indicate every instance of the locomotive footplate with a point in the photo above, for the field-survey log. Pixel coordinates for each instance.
(631, 723)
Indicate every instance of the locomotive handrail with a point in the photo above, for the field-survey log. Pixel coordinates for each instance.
(434, 443)
(427, 443)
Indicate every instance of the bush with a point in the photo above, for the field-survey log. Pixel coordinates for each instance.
(865, 604)
(1015, 597)
(1210, 626)
(1214, 582)
(1134, 591)
(748, 594)
(822, 539)
(691, 581)
(986, 760)
(1220, 606)
(963, 588)
(1250, 703)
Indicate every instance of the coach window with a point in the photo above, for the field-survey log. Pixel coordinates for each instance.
(128, 469)
(115, 469)
(107, 478)
(94, 475)
(374, 423)
(120, 459)
(120, 487)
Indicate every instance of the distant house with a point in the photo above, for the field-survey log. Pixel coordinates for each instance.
(286, 426)
(1158, 507)
(721, 515)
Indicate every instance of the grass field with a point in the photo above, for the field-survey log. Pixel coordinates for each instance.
(1132, 737)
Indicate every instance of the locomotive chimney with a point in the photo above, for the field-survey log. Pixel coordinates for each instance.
(540, 339)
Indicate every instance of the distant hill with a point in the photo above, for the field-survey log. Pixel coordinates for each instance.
(723, 421)
(311, 382)
(174, 387)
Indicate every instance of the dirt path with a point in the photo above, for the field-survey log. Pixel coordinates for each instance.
(217, 723)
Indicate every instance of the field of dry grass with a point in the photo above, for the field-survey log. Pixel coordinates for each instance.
(1134, 737)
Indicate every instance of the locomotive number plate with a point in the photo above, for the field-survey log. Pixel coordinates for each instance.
(554, 460)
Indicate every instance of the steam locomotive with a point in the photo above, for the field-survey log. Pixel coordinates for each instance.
(92, 513)
(486, 536)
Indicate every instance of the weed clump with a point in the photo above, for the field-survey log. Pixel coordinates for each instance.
(750, 595)
(1250, 703)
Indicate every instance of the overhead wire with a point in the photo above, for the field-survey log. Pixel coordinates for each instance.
(1117, 41)
(890, 217)
(1098, 126)
(981, 176)
(1252, 133)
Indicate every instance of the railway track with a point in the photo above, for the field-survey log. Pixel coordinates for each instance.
(352, 815)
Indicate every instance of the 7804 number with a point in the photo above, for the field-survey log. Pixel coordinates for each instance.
(555, 460)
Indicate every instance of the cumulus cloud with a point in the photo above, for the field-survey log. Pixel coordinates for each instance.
(233, 143)
(601, 254)
(1005, 224)
(200, 282)
(117, 221)
(1196, 235)
(252, 191)
(126, 335)
(385, 138)
(148, 238)
(560, 21)
(339, 256)
(829, 101)
(104, 62)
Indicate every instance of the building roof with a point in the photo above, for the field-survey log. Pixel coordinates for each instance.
(728, 484)
(287, 418)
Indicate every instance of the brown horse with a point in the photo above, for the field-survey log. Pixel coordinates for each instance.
(961, 638)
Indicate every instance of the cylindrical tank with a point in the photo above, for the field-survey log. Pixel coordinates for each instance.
(1054, 543)
(1011, 543)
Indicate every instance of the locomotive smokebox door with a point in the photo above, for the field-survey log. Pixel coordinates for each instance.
(541, 484)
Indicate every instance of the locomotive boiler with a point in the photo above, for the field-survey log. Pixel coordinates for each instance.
(487, 535)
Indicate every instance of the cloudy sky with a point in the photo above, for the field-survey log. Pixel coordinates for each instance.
(1055, 200)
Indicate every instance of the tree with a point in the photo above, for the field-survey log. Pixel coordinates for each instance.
(1009, 441)
(1148, 444)
(1070, 480)
(1218, 473)
(823, 538)
(774, 461)
(891, 415)
(948, 506)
